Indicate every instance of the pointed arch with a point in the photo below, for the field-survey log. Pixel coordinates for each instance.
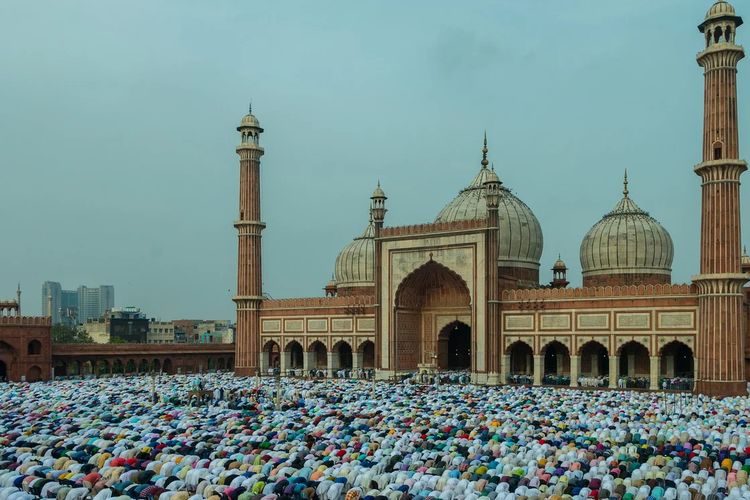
(521, 361)
(296, 354)
(367, 349)
(429, 289)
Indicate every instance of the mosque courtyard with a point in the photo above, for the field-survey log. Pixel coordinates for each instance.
(149, 437)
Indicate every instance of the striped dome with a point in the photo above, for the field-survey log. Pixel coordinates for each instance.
(355, 264)
(627, 240)
(719, 9)
(520, 235)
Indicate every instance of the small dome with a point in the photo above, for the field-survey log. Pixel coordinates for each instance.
(745, 259)
(378, 193)
(627, 240)
(521, 241)
(559, 265)
(719, 9)
(249, 120)
(492, 177)
(355, 264)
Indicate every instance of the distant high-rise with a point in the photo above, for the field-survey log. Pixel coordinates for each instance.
(94, 302)
(75, 306)
(51, 299)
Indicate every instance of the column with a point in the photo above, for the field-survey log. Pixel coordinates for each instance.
(285, 362)
(669, 361)
(574, 367)
(654, 373)
(357, 360)
(538, 368)
(308, 361)
(504, 368)
(333, 363)
(614, 371)
(595, 365)
(264, 363)
(631, 365)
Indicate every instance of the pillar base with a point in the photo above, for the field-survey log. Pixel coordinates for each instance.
(718, 388)
(245, 371)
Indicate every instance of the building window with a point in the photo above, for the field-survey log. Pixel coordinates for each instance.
(34, 348)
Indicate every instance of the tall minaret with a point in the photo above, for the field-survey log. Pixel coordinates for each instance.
(720, 344)
(492, 326)
(377, 211)
(249, 227)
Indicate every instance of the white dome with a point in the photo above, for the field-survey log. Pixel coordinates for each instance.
(627, 240)
(355, 264)
(520, 235)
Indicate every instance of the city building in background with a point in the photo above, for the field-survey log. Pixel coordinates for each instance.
(97, 329)
(160, 332)
(204, 331)
(127, 325)
(51, 300)
(94, 302)
(72, 307)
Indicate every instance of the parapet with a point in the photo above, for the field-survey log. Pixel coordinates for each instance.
(434, 227)
(597, 292)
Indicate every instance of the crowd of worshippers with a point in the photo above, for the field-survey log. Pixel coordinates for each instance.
(349, 439)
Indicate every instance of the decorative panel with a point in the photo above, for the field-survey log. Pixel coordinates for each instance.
(592, 321)
(341, 325)
(633, 321)
(519, 322)
(365, 324)
(677, 320)
(317, 325)
(555, 322)
(270, 325)
(294, 325)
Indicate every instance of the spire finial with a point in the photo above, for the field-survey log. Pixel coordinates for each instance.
(625, 191)
(484, 152)
(250, 108)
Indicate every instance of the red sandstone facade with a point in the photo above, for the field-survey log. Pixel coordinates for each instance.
(434, 281)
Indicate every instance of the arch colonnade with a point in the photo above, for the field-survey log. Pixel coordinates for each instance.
(327, 356)
(632, 365)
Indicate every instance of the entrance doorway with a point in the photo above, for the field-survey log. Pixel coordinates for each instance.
(3, 372)
(454, 347)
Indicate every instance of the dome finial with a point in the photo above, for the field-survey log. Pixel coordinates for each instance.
(484, 152)
(625, 191)
(250, 108)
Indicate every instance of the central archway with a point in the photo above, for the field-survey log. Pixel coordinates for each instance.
(423, 300)
(454, 347)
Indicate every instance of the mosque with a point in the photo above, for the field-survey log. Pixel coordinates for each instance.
(465, 291)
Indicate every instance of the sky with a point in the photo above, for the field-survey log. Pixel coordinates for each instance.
(117, 131)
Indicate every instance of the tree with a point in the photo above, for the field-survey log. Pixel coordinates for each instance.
(62, 334)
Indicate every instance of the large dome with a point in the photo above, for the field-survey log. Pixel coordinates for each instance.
(355, 264)
(626, 241)
(521, 241)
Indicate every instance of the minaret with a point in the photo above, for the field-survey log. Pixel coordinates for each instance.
(377, 211)
(559, 274)
(720, 344)
(18, 300)
(249, 227)
(492, 319)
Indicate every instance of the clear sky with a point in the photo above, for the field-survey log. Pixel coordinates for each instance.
(117, 131)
